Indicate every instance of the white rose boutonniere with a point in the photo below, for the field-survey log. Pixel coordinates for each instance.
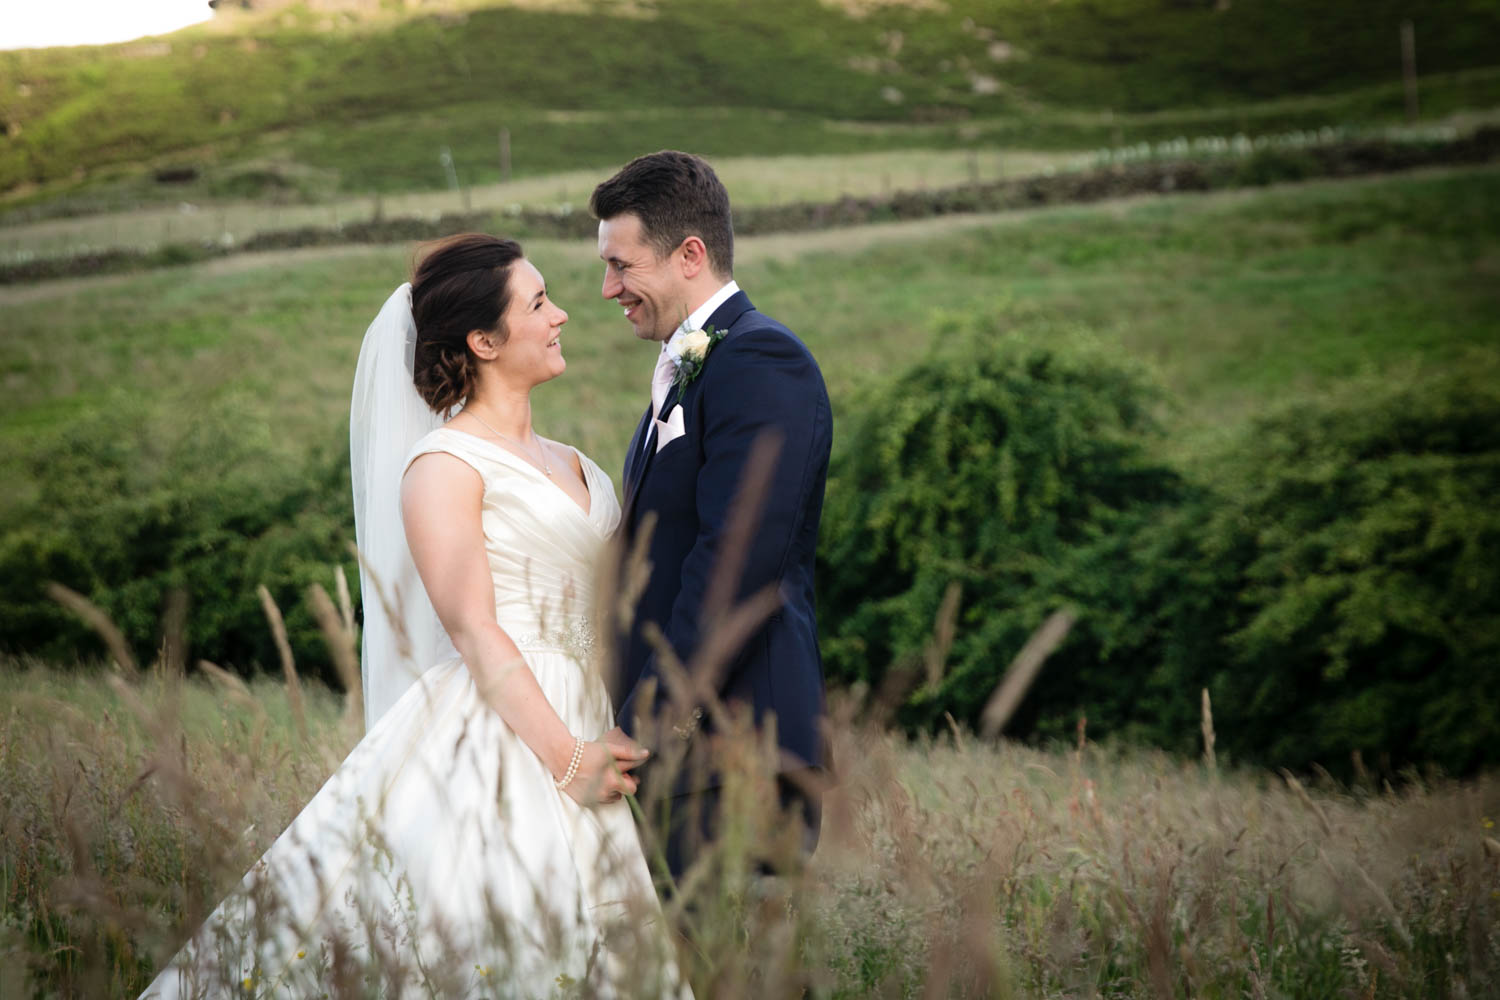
(693, 350)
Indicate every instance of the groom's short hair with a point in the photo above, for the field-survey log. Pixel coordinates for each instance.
(675, 195)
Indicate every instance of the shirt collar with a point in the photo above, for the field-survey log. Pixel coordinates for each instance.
(698, 317)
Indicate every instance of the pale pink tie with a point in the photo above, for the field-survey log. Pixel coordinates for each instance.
(661, 382)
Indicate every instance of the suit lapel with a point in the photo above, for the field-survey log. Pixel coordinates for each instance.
(633, 455)
(635, 461)
(729, 313)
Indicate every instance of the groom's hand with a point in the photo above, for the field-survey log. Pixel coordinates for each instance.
(627, 751)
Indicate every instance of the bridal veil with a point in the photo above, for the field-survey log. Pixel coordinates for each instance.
(402, 633)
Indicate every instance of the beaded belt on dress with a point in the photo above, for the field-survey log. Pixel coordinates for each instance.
(575, 638)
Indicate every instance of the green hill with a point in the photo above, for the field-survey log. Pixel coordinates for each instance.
(587, 83)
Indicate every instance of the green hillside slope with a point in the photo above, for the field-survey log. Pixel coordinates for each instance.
(332, 91)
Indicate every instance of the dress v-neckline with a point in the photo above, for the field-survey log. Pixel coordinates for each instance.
(583, 465)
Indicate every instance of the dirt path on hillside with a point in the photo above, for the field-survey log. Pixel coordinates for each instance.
(772, 246)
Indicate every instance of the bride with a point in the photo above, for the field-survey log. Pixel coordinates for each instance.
(474, 842)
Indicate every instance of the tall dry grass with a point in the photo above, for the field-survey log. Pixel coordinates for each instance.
(954, 867)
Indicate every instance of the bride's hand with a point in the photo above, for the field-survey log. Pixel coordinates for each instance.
(603, 771)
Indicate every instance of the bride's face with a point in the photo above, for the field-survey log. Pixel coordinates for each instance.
(532, 351)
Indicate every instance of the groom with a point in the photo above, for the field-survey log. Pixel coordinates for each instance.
(750, 386)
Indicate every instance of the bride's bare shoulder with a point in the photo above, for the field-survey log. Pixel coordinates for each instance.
(433, 473)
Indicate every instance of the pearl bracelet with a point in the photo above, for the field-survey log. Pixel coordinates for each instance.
(572, 771)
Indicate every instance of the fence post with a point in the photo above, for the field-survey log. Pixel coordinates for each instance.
(505, 155)
(445, 157)
(1409, 66)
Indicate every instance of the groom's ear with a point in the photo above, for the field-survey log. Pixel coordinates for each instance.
(694, 256)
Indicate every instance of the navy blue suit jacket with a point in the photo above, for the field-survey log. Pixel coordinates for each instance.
(758, 378)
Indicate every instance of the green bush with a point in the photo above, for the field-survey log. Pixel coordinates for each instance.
(1334, 580)
(125, 514)
(1364, 544)
(1004, 463)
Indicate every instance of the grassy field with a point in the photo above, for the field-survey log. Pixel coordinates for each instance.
(356, 103)
(950, 867)
(1240, 301)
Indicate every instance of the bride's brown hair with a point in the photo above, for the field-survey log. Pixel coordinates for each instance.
(461, 283)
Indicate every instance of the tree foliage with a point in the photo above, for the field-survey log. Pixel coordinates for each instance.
(1332, 578)
(1000, 464)
(126, 514)
(1364, 539)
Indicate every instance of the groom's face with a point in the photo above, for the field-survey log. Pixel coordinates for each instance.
(649, 288)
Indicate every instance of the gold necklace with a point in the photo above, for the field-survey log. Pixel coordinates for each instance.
(541, 454)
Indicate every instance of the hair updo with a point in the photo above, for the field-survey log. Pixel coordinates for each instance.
(462, 283)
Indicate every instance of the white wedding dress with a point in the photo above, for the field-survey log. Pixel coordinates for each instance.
(440, 859)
